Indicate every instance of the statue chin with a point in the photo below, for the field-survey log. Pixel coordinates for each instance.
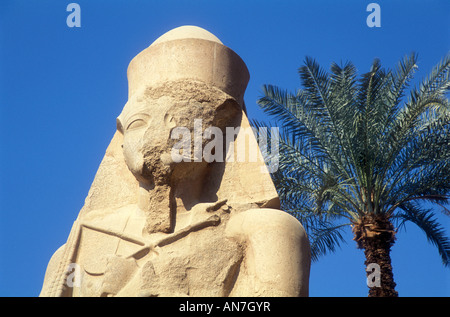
(141, 174)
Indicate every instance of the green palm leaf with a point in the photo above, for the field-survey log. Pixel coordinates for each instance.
(425, 220)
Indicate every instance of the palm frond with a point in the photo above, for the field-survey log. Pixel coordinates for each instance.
(425, 220)
(430, 95)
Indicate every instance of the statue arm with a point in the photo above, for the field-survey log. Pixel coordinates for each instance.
(277, 259)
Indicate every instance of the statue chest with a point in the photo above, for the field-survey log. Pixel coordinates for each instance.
(202, 263)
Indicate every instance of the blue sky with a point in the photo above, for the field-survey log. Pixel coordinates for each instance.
(62, 88)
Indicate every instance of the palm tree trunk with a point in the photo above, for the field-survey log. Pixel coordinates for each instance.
(375, 234)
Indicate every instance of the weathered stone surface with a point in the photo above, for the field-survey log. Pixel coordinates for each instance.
(152, 226)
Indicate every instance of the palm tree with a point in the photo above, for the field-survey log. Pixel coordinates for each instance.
(359, 152)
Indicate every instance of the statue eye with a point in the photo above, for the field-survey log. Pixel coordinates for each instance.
(137, 123)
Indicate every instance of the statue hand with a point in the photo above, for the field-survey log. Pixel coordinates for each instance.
(119, 271)
(210, 207)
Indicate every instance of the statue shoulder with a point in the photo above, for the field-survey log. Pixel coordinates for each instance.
(278, 253)
(259, 220)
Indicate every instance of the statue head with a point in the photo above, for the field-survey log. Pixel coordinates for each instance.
(186, 74)
(150, 116)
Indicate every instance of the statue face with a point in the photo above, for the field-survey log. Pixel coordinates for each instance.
(145, 135)
(147, 121)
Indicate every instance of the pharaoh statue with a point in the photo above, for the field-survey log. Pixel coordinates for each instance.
(158, 224)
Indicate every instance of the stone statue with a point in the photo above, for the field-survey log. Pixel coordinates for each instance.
(153, 225)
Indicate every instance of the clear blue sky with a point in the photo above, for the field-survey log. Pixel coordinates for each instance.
(62, 88)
